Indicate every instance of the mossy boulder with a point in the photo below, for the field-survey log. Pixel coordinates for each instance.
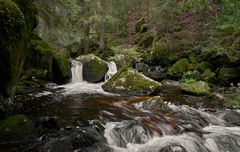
(195, 87)
(209, 76)
(61, 67)
(192, 75)
(198, 88)
(43, 56)
(40, 56)
(17, 128)
(32, 78)
(94, 68)
(179, 68)
(15, 32)
(202, 66)
(155, 104)
(129, 81)
(228, 75)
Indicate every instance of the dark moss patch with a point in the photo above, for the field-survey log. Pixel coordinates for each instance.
(17, 128)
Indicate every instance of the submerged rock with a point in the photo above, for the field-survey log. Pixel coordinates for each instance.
(129, 81)
(94, 68)
(155, 104)
(17, 128)
(232, 117)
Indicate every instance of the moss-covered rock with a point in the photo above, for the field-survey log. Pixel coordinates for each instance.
(40, 56)
(43, 56)
(155, 104)
(192, 75)
(129, 81)
(179, 68)
(209, 76)
(198, 88)
(228, 75)
(202, 66)
(94, 68)
(15, 32)
(17, 128)
(61, 67)
(32, 78)
(194, 87)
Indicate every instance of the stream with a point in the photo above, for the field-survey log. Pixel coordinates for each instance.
(81, 117)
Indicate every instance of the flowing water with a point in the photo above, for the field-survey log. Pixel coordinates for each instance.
(91, 120)
(112, 69)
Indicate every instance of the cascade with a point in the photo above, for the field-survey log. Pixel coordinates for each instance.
(112, 69)
(76, 70)
(79, 86)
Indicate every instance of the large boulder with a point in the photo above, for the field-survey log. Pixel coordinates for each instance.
(197, 88)
(17, 24)
(17, 128)
(179, 68)
(129, 81)
(94, 68)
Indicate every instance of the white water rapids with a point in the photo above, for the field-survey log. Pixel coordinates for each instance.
(209, 134)
(197, 131)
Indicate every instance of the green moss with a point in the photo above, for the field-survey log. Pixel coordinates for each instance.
(129, 81)
(208, 76)
(32, 78)
(42, 47)
(11, 19)
(29, 10)
(17, 127)
(233, 99)
(202, 66)
(179, 68)
(192, 75)
(199, 88)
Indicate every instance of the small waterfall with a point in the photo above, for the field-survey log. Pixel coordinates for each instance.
(112, 69)
(76, 71)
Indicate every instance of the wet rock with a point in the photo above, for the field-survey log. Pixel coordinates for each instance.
(50, 123)
(94, 68)
(129, 81)
(173, 148)
(153, 72)
(17, 128)
(232, 117)
(57, 145)
(155, 104)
